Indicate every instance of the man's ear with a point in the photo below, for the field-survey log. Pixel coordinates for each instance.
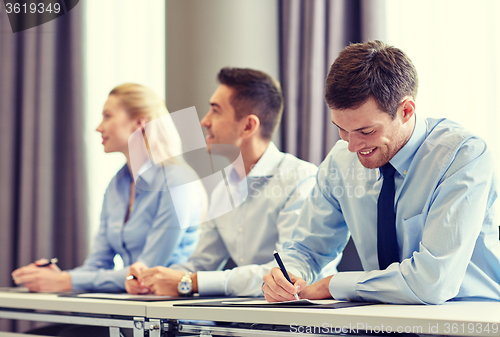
(408, 109)
(252, 125)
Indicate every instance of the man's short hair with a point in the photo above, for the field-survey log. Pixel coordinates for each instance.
(255, 92)
(371, 69)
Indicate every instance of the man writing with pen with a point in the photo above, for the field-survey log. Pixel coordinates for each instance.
(422, 215)
(283, 270)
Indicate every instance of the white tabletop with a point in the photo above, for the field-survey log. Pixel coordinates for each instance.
(52, 302)
(452, 318)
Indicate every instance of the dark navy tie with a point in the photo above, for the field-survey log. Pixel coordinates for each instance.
(387, 243)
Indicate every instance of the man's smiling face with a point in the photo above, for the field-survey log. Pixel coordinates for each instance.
(371, 133)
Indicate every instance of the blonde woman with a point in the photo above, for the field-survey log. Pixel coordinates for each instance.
(139, 223)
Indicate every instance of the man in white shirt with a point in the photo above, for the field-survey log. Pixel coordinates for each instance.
(245, 110)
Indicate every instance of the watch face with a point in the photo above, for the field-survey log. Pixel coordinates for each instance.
(184, 288)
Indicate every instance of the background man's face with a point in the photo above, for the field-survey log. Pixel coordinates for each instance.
(371, 133)
(220, 122)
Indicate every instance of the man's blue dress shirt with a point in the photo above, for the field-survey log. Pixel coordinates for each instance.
(152, 234)
(446, 226)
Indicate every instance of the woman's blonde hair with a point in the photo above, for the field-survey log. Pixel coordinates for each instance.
(163, 140)
(139, 101)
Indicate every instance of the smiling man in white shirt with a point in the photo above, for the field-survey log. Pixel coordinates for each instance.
(245, 110)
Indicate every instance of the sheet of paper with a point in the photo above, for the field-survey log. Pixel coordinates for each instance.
(294, 302)
(121, 296)
(14, 289)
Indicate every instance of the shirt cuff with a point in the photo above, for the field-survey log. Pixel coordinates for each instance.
(211, 283)
(81, 280)
(343, 286)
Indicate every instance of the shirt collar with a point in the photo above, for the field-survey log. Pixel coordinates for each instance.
(402, 160)
(124, 174)
(266, 165)
(123, 180)
(148, 174)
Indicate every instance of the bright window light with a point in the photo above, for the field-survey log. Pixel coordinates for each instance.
(124, 42)
(455, 46)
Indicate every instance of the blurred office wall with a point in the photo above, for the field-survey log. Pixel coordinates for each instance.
(42, 185)
(204, 36)
(124, 42)
(312, 33)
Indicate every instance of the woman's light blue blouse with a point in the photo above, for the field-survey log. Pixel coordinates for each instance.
(152, 233)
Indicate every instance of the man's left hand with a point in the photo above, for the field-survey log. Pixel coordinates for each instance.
(318, 290)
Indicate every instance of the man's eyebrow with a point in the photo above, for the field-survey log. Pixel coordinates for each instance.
(337, 126)
(359, 129)
(214, 104)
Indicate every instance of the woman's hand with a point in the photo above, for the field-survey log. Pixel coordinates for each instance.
(42, 279)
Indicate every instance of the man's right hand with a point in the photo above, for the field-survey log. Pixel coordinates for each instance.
(133, 286)
(277, 288)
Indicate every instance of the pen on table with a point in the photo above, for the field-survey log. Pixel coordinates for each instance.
(130, 277)
(283, 270)
(52, 261)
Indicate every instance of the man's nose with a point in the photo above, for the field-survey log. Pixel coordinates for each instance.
(355, 143)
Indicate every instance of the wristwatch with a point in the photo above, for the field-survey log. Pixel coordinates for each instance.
(185, 286)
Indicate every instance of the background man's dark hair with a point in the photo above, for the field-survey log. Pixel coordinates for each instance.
(371, 69)
(255, 93)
